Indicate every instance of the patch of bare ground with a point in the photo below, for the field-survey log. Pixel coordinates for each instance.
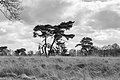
(59, 68)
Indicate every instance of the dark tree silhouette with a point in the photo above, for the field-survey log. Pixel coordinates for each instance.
(17, 52)
(86, 44)
(11, 9)
(46, 31)
(57, 32)
(3, 50)
(20, 52)
(23, 53)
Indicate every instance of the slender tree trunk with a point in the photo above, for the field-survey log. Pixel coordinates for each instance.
(50, 52)
(42, 49)
(46, 46)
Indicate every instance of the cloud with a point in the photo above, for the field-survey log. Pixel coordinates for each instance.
(105, 19)
(94, 0)
(16, 33)
(45, 11)
(105, 37)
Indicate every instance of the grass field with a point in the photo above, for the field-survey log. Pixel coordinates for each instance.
(59, 68)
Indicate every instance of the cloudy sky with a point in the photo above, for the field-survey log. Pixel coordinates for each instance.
(99, 19)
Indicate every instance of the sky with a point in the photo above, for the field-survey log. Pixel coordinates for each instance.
(98, 19)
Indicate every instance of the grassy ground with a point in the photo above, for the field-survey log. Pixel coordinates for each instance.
(59, 68)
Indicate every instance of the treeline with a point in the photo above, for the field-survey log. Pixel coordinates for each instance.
(105, 51)
(57, 46)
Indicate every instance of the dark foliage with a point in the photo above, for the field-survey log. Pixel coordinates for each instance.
(3, 50)
(57, 32)
(86, 44)
(20, 52)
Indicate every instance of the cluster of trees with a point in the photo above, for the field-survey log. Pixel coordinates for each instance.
(109, 50)
(57, 47)
(4, 51)
(85, 50)
(90, 50)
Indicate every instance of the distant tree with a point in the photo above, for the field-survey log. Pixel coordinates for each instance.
(30, 53)
(57, 32)
(110, 50)
(3, 50)
(94, 51)
(115, 46)
(86, 44)
(60, 46)
(72, 52)
(11, 9)
(20, 52)
(16, 52)
(106, 50)
(38, 53)
(115, 50)
(78, 52)
(63, 53)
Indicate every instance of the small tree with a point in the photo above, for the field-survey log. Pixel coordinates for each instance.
(30, 53)
(11, 9)
(86, 44)
(23, 52)
(20, 52)
(72, 52)
(3, 50)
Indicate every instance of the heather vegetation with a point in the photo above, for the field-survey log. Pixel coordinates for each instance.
(59, 68)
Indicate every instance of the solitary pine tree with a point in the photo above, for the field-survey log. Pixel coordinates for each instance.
(57, 32)
(86, 44)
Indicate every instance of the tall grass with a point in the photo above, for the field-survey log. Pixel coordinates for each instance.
(61, 68)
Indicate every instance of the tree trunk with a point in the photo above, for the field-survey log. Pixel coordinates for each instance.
(45, 46)
(43, 49)
(50, 52)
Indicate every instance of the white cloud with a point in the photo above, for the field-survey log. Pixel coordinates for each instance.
(105, 37)
(44, 11)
